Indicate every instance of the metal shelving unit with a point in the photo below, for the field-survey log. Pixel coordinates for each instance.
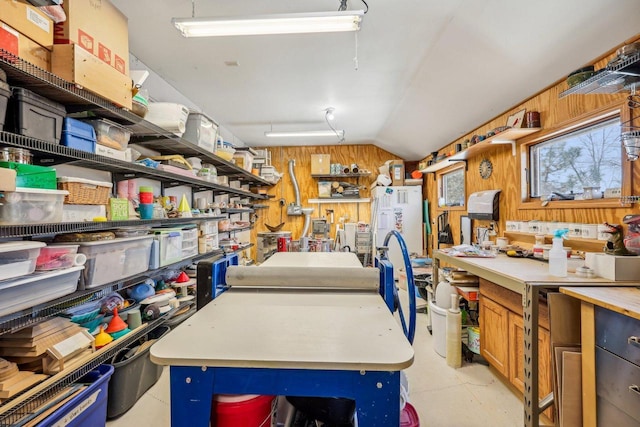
(75, 99)
(616, 77)
(341, 175)
(236, 210)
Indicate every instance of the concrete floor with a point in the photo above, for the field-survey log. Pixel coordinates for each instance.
(471, 396)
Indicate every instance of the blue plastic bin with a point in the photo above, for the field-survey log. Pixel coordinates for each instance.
(88, 408)
(79, 135)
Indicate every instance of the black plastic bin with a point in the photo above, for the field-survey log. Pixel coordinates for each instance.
(35, 116)
(133, 377)
(5, 94)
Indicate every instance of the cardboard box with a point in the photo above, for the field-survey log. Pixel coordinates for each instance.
(76, 65)
(19, 45)
(320, 164)
(396, 172)
(7, 179)
(27, 20)
(98, 27)
(103, 150)
(613, 267)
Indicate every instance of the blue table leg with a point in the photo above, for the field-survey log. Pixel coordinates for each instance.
(191, 395)
(377, 394)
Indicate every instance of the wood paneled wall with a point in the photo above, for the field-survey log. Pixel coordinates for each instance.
(556, 114)
(365, 156)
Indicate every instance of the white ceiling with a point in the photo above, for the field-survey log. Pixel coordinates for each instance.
(428, 70)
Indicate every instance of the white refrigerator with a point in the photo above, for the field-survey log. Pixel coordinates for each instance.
(397, 208)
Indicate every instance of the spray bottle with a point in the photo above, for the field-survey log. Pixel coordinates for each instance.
(557, 255)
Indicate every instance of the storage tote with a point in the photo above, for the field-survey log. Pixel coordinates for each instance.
(112, 260)
(18, 258)
(31, 206)
(201, 130)
(36, 116)
(32, 176)
(87, 408)
(34, 289)
(85, 191)
(79, 135)
(110, 134)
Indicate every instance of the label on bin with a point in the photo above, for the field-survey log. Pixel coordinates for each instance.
(75, 412)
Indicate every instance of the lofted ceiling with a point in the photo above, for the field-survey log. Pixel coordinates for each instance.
(427, 71)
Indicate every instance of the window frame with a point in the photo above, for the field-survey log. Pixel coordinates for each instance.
(439, 178)
(527, 202)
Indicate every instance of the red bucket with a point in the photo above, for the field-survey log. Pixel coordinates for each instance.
(409, 416)
(248, 410)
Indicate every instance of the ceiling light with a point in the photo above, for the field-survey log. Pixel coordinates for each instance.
(313, 133)
(316, 22)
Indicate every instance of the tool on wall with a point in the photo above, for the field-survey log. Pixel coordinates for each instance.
(444, 229)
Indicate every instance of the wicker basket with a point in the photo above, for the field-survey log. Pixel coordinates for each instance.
(84, 191)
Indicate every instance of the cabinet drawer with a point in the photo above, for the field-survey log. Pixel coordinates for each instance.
(614, 379)
(616, 332)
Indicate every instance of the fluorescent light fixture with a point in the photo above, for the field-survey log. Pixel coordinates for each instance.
(300, 134)
(316, 22)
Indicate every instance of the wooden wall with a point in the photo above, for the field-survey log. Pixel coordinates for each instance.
(365, 156)
(555, 114)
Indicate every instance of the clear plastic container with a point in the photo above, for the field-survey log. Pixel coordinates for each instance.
(18, 258)
(111, 134)
(55, 257)
(111, 260)
(31, 206)
(36, 289)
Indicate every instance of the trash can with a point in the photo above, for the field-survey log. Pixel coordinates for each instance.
(134, 376)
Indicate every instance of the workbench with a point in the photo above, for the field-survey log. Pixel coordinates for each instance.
(528, 277)
(625, 301)
(299, 342)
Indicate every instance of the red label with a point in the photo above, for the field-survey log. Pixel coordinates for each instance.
(9, 43)
(119, 64)
(104, 53)
(86, 41)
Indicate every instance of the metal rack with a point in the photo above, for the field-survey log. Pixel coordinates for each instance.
(48, 154)
(42, 82)
(614, 78)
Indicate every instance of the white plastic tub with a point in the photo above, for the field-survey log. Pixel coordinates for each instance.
(55, 257)
(169, 247)
(439, 328)
(31, 206)
(168, 115)
(18, 258)
(111, 260)
(201, 131)
(36, 289)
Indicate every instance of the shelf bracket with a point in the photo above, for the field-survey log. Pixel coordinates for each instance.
(507, 141)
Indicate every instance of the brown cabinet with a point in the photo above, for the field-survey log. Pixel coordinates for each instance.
(502, 340)
(494, 343)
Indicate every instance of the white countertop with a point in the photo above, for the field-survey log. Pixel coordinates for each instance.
(514, 273)
(289, 329)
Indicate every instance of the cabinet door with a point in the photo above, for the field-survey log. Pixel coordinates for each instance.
(516, 358)
(494, 334)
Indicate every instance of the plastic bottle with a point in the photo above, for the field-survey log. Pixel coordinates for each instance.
(454, 334)
(537, 247)
(557, 255)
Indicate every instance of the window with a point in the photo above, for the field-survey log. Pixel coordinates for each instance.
(451, 188)
(567, 164)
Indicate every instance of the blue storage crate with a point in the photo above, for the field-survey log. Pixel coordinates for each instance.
(89, 408)
(79, 135)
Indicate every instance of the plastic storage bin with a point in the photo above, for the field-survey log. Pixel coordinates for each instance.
(168, 115)
(110, 134)
(5, 94)
(56, 257)
(89, 407)
(32, 176)
(243, 159)
(35, 289)
(201, 130)
(169, 247)
(31, 206)
(79, 135)
(133, 377)
(36, 116)
(111, 260)
(18, 258)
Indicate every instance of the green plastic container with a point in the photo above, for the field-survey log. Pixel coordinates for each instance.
(33, 176)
